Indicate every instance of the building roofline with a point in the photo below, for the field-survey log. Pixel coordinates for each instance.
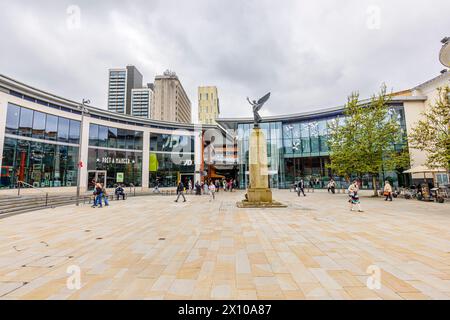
(424, 84)
(15, 85)
(315, 113)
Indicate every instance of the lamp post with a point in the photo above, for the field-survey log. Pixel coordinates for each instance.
(80, 164)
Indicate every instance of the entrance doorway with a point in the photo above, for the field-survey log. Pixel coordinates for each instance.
(185, 177)
(96, 176)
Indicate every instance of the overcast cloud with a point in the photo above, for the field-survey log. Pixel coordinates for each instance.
(309, 54)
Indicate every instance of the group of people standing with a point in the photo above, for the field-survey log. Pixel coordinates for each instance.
(208, 187)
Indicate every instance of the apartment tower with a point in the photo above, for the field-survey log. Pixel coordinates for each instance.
(208, 105)
(171, 102)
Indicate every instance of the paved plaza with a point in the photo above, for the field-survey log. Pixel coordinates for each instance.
(153, 248)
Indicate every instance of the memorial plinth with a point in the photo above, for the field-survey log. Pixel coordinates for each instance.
(259, 194)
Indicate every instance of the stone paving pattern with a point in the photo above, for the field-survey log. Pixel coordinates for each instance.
(154, 248)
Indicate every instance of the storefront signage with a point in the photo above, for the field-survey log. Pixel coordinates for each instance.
(114, 160)
(119, 178)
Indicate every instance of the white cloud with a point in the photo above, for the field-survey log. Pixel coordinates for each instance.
(310, 55)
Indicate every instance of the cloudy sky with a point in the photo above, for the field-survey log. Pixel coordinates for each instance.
(309, 54)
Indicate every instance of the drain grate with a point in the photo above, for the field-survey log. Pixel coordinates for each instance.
(162, 239)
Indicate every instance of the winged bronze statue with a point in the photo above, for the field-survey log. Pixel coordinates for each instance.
(257, 105)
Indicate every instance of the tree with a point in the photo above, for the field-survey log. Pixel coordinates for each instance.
(432, 133)
(368, 139)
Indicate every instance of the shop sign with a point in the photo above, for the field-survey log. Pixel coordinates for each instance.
(119, 178)
(114, 160)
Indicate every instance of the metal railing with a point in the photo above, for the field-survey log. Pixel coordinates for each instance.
(23, 183)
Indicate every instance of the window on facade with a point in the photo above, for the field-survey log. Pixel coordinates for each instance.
(39, 125)
(93, 134)
(74, 132)
(121, 138)
(26, 122)
(103, 136)
(12, 119)
(63, 129)
(51, 127)
(112, 137)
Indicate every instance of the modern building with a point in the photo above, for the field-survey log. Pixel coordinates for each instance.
(297, 143)
(42, 134)
(208, 105)
(121, 83)
(142, 101)
(171, 102)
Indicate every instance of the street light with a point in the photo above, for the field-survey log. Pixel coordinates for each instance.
(80, 164)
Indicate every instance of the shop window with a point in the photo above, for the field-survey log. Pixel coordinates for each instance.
(39, 125)
(93, 135)
(63, 129)
(51, 127)
(12, 119)
(74, 132)
(26, 122)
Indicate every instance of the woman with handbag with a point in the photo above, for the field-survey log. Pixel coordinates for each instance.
(387, 191)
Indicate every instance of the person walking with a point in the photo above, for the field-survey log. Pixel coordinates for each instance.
(180, 191)
(301, 187)
(99, 195)
(354, 198)
(198, 189)
(212, 191)
(332, 186)
(105, 195)
(387, 191)
(156, 187)
(190, 186)
(217, 184)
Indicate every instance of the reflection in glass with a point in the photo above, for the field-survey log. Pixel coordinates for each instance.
(39, 125)
(51, 127)
(12, 119)
(26, 122)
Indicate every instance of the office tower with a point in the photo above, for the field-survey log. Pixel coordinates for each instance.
(208, 105)
(121, 83)
(142, 101)
(171, 102)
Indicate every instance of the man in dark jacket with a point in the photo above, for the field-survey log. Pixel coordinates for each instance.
(180, 191)
(301, 188)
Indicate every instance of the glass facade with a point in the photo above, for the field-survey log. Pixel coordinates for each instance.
(40, 164)
(25, 122)
(114, 138)
(171, 159)
(121, 166)
(300, 149)
(169, 169)
(45, 151)
(273, 133)
(171, 143)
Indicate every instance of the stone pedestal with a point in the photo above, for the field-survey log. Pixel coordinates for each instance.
(258, 190)
(259, 194)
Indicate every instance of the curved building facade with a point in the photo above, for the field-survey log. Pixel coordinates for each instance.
(46, 141)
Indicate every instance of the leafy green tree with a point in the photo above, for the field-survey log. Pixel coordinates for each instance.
(432, 133)
(368, 139)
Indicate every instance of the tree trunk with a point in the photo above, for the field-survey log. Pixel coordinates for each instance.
(374, 184)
